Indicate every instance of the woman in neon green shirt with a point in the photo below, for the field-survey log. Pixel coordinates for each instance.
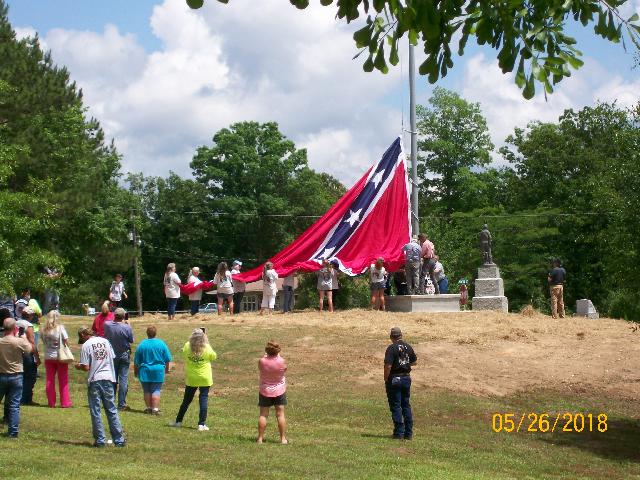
(197, 355)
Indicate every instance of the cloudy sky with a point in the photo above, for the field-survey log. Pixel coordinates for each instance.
(162, 79)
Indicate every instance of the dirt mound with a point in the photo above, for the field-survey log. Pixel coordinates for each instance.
(483, 353)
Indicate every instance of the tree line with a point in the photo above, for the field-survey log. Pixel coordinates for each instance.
(567, 191)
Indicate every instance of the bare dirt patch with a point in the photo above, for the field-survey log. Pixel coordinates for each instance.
(482, 353)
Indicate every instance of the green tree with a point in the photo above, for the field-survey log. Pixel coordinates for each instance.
(25, 217)
(586, 165)
(252, 193)
(64, 155)
(263, 188)
(529, 37)
(453, 136)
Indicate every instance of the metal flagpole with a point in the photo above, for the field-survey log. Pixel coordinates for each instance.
(415, 223)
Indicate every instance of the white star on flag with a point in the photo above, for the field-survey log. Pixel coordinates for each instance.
(327, 253)
(355, 216)
(377, 179)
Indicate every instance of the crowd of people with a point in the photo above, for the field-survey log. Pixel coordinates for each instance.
(106, 359)
(423, 274)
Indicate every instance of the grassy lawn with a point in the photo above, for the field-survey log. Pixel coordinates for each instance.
(339, 425)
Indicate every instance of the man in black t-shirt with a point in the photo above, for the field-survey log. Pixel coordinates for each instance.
(557, 277)
(398, 360)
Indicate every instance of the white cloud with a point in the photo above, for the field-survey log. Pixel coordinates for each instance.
(505, 108)
(241, 61)
(231, 63)
(626, 94)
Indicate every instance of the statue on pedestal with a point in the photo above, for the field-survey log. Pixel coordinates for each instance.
(485, 245)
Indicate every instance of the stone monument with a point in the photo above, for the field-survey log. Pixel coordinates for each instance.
(584, 308)
(489, 294)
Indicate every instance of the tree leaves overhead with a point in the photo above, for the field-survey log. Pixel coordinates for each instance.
(453, 138)
(529, 37)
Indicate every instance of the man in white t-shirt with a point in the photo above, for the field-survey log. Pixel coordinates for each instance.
(96, 358)
(239, 287)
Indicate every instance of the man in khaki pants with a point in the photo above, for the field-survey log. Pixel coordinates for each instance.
(556, 278)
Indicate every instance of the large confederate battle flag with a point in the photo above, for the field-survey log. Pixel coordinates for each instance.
(371, 220)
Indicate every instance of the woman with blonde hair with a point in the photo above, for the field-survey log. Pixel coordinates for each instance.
(273, 390)
(197, 355)
(105, 315)
(172, 286)
(269, 288)
(195, 297)
(52, 334)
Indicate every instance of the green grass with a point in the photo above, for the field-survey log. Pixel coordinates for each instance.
(338, 427)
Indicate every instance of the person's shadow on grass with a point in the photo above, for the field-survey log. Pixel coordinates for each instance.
(377, 436)
(619, 442)
(75, 443)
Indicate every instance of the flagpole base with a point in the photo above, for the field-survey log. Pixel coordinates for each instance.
(449, 302)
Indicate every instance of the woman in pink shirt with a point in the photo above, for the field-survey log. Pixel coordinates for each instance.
(273, 388)
(101, 318)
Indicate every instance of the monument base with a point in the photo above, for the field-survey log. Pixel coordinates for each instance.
(449, 302)
(499, 303)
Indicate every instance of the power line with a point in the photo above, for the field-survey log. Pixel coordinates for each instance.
(423, 217)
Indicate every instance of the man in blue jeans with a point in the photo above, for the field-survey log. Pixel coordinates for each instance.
(12, 349)
(96, 358)
(120, 336)
(398, 360)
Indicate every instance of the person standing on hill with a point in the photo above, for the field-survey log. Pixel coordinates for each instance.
(556, 278)
(288, 286)
(120, 335)
(172, 286)
(325, 284)
(269, 288)
(116, 291)
(335, 281)
(195, 297)
(398, 360)
(273, 390)
(239, 286)
(378, 281)
(441, 277)
(224, 283)
(413, 255)
(96, 358)
(428, 261)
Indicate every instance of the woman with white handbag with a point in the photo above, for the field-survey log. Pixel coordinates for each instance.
(57, 356)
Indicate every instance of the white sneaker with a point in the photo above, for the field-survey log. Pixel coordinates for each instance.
(175, 424)
(203, 428)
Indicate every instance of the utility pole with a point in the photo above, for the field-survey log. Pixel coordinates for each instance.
(415, 219)
(136, 266)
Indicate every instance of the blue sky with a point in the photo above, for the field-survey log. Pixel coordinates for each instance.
(162, 79)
